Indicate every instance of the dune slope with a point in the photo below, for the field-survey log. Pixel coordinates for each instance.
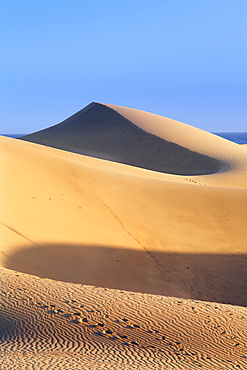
(84, 220)
(100, 131)
(134, 262)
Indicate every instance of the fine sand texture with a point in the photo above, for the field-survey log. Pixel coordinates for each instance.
(55, 325)
(123, 245)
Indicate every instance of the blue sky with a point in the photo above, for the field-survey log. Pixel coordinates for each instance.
(183, 59)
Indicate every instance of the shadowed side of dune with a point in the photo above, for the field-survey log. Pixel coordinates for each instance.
(101, 132)
(210, 277)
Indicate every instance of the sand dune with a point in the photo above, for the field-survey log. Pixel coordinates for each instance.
(140, 236)
(100, 131)
(148, 141)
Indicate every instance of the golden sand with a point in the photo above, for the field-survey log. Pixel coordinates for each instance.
(154, 257)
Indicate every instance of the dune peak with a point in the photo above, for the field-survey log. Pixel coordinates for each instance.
(110, 132)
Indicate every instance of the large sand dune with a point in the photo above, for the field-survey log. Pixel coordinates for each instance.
(122, 135)
(77, 219)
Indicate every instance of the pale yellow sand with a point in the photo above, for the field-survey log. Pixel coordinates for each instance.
(79, 219)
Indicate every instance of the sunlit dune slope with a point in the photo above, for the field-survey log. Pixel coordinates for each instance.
(86, 220)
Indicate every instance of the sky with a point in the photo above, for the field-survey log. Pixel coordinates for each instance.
(182, 59)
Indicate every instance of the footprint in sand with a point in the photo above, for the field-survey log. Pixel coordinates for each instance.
(122, 336)
(67, 315)
(79, 320)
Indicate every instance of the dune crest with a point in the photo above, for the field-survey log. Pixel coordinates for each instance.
(107, 132)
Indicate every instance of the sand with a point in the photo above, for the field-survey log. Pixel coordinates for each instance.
(127, 263)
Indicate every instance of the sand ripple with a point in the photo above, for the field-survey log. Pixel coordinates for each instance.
(50, 324)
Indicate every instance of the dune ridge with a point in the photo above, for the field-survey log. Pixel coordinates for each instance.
(102, 131)
(149, 141)
(111, 265)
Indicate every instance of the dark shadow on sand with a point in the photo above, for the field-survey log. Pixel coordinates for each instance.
(210, 277)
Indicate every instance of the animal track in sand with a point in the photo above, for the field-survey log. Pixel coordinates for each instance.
(111, 330)
(79, 318)
(170, 334)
